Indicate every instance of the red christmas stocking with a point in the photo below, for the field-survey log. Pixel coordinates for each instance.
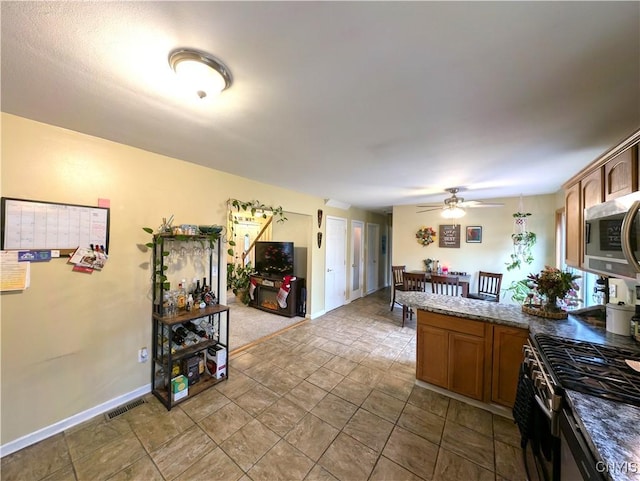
(252, 287)
(283, 292)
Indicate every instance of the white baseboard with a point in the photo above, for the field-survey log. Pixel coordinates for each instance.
(316, 315)
(44, 433)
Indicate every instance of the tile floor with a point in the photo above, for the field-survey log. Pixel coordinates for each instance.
(332, 399)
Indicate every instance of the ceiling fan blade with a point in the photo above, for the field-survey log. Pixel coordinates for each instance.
(475, 204)
(430, 209)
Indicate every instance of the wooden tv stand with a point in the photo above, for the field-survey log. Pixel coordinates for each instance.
(265, 296)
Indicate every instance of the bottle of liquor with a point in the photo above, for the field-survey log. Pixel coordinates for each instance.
(197, 292)
(181, 299)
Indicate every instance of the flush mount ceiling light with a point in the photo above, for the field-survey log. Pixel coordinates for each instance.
(202, 72)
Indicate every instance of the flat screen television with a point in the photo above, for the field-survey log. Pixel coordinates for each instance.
(274, 258)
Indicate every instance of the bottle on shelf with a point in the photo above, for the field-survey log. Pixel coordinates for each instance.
(197, 292)
(181, 300)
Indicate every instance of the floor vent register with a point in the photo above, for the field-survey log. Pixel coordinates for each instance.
(123, 409)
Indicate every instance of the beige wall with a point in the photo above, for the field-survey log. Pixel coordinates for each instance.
(492, 253)
(70, 341)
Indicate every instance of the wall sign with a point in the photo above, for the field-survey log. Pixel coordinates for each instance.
(449, 235)
(35, 225)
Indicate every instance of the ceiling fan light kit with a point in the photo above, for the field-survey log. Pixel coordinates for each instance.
(453, 212)
(454, 206)
(200, 71)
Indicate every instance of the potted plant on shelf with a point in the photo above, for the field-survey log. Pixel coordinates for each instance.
(238, 280)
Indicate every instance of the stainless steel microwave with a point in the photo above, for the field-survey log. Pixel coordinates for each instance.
(611, 237)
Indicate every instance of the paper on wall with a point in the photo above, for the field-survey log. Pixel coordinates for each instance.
(14, 275)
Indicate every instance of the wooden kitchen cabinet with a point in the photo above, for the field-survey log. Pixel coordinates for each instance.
(613, 174)
(451, 353)
(573, 225)
(432, 354)
(592, 189)
(507, 357)
(466, 365)
(587, 192)
(621, 174)
(477, 359)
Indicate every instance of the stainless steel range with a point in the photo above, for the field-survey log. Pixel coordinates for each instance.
(551, 435)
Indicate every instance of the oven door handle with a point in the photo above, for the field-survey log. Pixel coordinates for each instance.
(554, 421)
(545, 409)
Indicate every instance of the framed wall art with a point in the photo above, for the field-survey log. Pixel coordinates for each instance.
(474, 234)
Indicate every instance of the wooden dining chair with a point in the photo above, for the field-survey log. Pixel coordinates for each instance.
(416, 282)
(398, 283)
(489, 284)
(447, 285)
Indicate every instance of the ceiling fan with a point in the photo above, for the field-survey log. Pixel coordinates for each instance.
(454, 206)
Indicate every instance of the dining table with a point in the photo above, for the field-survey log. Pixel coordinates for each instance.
(463, 280)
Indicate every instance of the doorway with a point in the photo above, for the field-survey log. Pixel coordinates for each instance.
(336, 263)
(373, 257)
(357, 259)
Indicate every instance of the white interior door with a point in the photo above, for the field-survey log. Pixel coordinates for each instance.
(357, 259)
(373, 257)
(336, 263)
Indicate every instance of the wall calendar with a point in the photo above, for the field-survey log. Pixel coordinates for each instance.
(31, 224)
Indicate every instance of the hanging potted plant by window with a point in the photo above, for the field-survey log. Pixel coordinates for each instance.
(523, 240)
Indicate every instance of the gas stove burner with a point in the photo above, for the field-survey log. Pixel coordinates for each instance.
(591, 368)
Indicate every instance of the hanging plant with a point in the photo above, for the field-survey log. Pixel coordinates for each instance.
(523, 240)
(253, 207)
(425, 236)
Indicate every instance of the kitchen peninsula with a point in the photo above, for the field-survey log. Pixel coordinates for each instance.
(470, 347)
(466, 344)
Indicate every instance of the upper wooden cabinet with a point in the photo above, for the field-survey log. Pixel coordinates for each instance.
(614, 174)
(621, 174)
(591, 188)
(573, 225)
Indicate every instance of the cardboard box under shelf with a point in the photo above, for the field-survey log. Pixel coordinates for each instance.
(179, 387)
(217, 361)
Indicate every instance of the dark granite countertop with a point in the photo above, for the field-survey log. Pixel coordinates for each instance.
(611, 427)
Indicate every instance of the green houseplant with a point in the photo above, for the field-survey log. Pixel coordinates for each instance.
(553, 285)
(238, 280)
(523, 241)
(238, 273)
(252, 207)
(207, 235)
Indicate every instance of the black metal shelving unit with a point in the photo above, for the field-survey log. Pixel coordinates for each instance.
(215, 318)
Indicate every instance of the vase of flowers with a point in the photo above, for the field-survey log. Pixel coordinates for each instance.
(553, 286)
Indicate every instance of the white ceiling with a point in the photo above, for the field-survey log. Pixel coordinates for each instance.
(371, 103)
